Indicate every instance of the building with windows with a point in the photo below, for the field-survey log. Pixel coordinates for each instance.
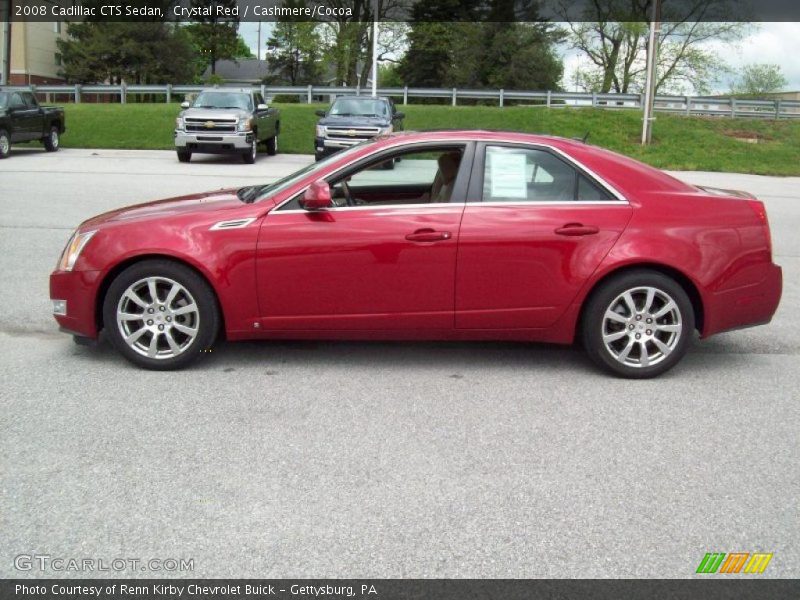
(34, 56)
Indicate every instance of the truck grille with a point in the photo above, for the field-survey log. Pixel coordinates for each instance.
(210, 125)
(352, 133)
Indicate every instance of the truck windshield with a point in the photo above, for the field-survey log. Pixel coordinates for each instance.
(223, 100)
(359, 107)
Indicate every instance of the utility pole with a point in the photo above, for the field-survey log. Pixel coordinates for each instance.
(5, 50)
(375, 49)
(259, 42)
(650, 82)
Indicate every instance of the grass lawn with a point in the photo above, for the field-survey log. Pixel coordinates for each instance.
(681, 143)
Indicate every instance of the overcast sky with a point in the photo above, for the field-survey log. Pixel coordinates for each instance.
(774, 43)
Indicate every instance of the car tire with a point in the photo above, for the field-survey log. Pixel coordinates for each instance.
(638, 324)
(169, 330)
(272, 145)
(249, 157)
(52, 141)
(318, 156)
(184, 155)
(5, 144)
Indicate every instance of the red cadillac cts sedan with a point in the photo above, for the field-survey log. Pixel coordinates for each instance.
(465, 235)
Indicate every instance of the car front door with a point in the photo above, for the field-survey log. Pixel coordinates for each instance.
(383, 258)
(20, 118)
(34, 116)
(264, 120)
(536, 226)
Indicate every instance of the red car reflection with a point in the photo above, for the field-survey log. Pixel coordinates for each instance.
(464, 235)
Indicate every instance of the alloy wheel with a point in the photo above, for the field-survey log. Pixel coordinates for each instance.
(158, 317)
(642, 326)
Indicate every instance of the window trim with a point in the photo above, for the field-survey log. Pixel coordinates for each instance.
(476, 183)
(462, 181)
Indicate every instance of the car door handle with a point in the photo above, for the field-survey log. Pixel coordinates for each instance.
(575, 229)
(428, 235)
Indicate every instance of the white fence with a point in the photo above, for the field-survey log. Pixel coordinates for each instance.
(689, 105)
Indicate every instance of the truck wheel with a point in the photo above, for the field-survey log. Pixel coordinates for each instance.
(184, 155)
(5, 143)
(51, 141)
(272, 145)
(249, 157)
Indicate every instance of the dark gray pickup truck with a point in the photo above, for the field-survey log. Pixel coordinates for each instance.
(23, 120)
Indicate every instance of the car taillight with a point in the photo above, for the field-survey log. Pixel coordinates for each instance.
(761, 214)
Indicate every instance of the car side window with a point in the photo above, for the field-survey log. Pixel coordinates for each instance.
(419, 176)
(30, 101)
(516, 174)
(259, 99)
(16, 101)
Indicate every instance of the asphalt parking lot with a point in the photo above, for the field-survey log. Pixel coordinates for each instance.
(301, 459)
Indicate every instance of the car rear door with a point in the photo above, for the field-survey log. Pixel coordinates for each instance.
(385, 265)
(535, 227)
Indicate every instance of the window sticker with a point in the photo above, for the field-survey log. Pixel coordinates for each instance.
(507, 175)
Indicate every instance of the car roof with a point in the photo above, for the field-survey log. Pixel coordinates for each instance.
(227, 89)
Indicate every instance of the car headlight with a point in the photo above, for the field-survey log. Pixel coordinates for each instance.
(179, 123)
(74, 248)
(244, 125)
(385, 130)
(320, 131)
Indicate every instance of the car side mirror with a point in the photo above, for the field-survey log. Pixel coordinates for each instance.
(319, 113)
(184, 104)
(262, 107)
(317, 196)
(399, 115)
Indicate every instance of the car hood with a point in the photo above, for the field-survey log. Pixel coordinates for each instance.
(354, 121)
(215, 113)
(207, 202)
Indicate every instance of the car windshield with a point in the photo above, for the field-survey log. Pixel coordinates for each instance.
(359, 107)
(256, 193)
(223, 100)
(3, 99)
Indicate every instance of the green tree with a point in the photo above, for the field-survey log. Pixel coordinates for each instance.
(294, 53)
(759, 80)
(214, 38)
(482, 54)
(135, 52)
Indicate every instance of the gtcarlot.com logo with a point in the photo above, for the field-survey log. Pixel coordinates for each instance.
(46, 562)
(735, 562)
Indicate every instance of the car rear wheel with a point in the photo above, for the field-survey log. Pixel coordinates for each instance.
(5, 144)
(249, 157)
(638, 325)
(52, 141)
(272, 145)
(184, 155)
(161, 315)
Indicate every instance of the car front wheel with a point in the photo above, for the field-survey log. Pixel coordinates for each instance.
(184, 156)
(272, 145)
(249, 157)
(639, 324)
(51, 142)
(5, 144)
(161, 315)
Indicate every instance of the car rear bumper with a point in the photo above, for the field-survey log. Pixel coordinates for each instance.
(214, 143)
(745, 306)
(79, 290)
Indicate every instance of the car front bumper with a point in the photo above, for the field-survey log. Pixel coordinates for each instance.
(78, 292)
(326, 146)
(214, 143)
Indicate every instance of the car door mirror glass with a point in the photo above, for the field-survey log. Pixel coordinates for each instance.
(262, 106)
(317, 196)
(184, 104)
(399, 115)
(319, 113)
